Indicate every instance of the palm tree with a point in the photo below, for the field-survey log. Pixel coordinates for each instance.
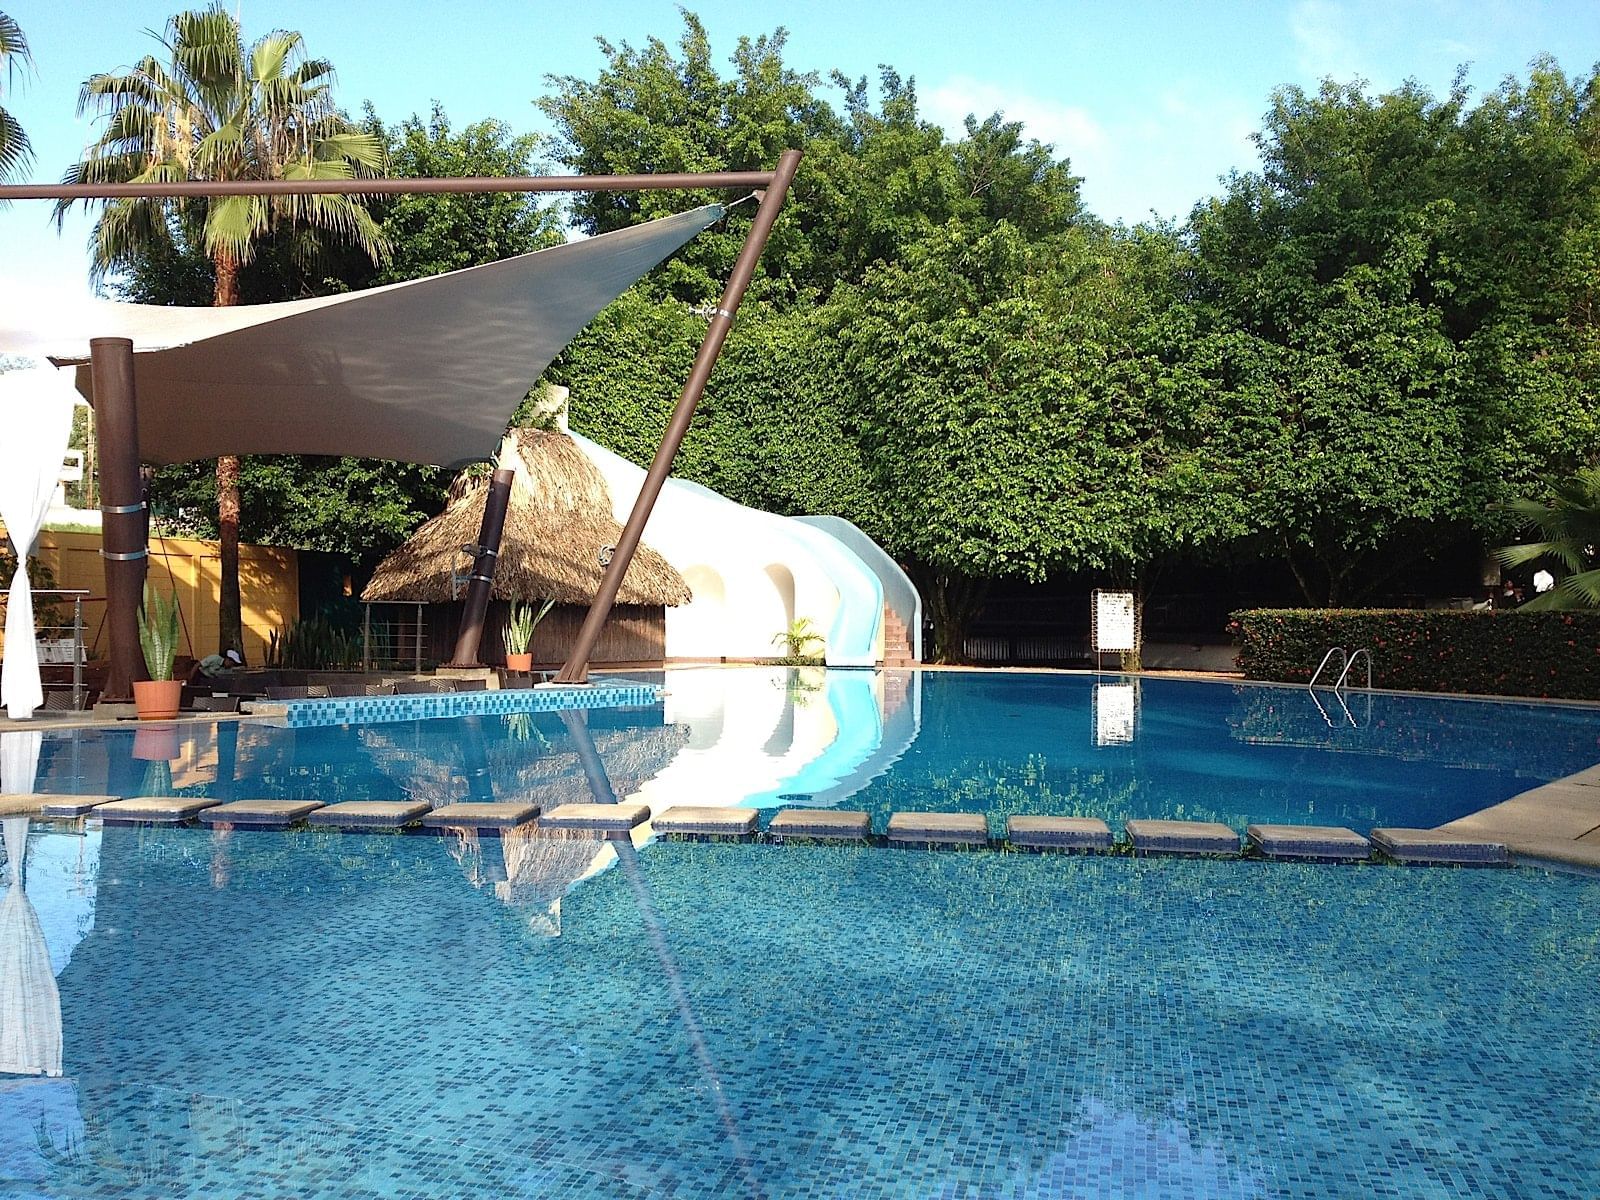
(1570, 528)
(218, 112)
(15, 151)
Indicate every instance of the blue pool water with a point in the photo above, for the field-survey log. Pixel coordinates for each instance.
(996, 743)
(314, 1015)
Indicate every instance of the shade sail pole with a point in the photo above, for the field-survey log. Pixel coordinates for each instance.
(576, 669)
(124, 519)
(487, 553)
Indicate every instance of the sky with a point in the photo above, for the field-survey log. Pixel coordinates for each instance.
(1152, 102)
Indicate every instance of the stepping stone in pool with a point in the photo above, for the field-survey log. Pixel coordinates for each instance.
(1435, 847)
(53, 806)
(1309, 843)
(1058, 833)
(820, 823)
(1182, 837)
(507, 815)
(369, 814)
(706, 822)
(594, 818)
(153, 810)
(260, 814)
(938, 828)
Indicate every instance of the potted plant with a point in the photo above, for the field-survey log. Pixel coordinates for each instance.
(524, 619)
(159, 696)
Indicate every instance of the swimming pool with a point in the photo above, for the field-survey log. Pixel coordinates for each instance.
(316, 1015)
(887, 741)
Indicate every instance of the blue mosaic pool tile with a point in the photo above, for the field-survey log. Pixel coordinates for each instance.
(310, 1016)
(369, 710)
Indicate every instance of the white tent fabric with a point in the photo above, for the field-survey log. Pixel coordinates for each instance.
(427, 371)
(30, 1005)
(36, 411)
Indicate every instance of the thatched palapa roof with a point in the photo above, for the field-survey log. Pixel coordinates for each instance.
(559, 518)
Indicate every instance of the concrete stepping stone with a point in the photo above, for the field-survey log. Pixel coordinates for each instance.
(706, 822)
(369, 814)
(506, 815)
(1438, 847)
(260, 814)
(939, 828)
(595, 818)
(1181, 837)
(1058, 833)
(52, 806)
(822, 823)
(1319, 843)
(153, 810)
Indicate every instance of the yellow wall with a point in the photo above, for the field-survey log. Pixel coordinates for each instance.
(269, 584)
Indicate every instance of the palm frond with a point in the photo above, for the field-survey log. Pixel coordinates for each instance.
(16, 151)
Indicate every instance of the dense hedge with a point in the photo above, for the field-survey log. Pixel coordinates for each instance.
(1491, 653)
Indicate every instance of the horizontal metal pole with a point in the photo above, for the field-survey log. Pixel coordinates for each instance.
(386, 186)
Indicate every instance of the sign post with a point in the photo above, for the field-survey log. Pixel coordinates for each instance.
(1113, 624)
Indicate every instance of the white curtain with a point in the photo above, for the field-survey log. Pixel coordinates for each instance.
(36, 412)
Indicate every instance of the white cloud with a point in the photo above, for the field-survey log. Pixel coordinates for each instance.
(1070, 129)
(1162, 155)
(1321, 33)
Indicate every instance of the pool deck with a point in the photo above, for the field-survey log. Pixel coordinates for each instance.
(1555, 824)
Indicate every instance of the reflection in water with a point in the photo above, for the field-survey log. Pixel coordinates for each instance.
(1116, 713)
(30, 1007)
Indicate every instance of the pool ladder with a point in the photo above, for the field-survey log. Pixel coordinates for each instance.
(1347, 661)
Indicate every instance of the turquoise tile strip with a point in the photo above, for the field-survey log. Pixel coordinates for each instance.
(373, 710)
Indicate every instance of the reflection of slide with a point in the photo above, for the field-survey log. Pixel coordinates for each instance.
(857, 717)
(767, 738)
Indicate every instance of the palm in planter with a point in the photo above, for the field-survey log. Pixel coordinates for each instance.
(158, 697)
(524, 619)
(798, 640)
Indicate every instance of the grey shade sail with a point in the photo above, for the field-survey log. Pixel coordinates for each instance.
(427, 371)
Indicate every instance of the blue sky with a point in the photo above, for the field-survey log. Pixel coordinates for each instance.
(1151, 101)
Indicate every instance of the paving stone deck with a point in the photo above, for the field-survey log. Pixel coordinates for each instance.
(1440, 847)
(506, 815)
(1182, 837)
(939, 828)
(153, 810)
(1321, 843)
(1555, 823)
(260, 814)
(369, 814)
(712, 822)
(1058, 833)
(829, 823)
(595, 818)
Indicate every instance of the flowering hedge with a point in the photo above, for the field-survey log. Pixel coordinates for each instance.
(1492, 653)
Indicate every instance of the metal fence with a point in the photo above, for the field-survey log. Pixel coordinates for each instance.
(58, 628)
(395, 637)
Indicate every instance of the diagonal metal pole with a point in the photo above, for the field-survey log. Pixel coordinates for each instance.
(576, 669)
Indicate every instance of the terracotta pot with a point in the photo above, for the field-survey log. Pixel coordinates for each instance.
(519, 663)
(158, 699)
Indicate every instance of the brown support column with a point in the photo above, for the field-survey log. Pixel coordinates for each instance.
(124, 522)
(576, 669)
(470, 637)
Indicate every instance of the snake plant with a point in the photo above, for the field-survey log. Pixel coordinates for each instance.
(521, 624)
(158, 632)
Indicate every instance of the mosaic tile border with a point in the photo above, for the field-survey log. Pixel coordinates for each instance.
(372, 710)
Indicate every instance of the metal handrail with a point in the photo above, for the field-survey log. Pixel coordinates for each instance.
(1350, 662)
(1323, 665)
(79, 651)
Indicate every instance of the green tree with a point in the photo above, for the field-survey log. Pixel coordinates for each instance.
(218, 111)
(15, 150)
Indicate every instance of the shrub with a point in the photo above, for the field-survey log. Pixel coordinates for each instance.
(1554, 654)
